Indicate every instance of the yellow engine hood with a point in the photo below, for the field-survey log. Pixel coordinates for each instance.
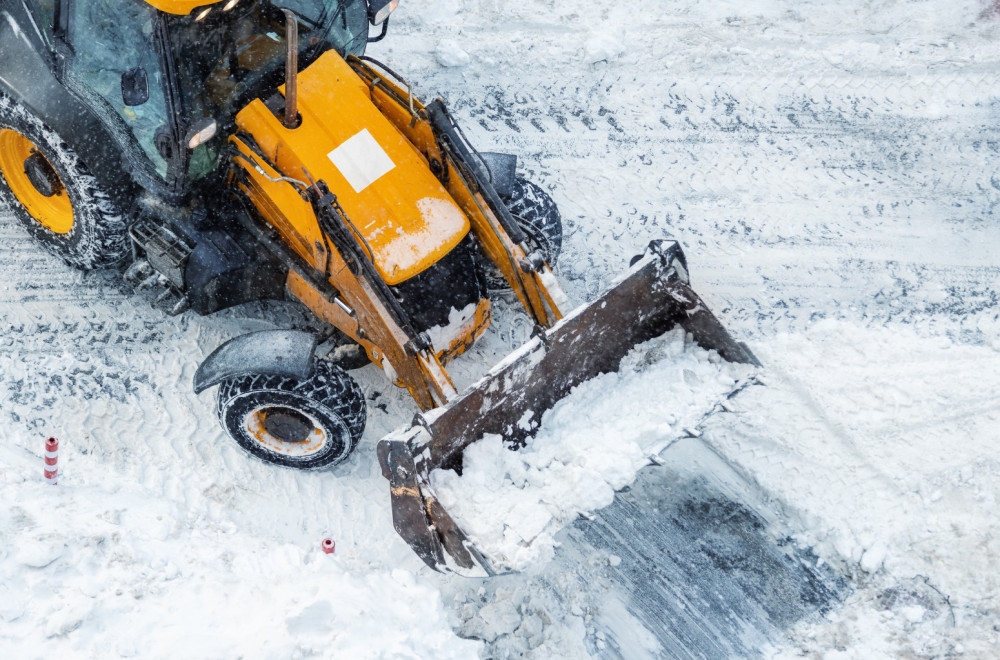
(384, 185)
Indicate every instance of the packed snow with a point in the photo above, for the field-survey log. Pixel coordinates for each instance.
(161, 540)
(831, 170)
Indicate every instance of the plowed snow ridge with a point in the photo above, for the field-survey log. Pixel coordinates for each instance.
(588, 445)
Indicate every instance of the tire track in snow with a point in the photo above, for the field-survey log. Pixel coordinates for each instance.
(863, 175)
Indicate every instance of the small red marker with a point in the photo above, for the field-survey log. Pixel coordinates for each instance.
(329, 546)
(51, 458)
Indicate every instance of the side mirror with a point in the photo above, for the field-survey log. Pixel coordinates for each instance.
(135, 86)
(379, 10)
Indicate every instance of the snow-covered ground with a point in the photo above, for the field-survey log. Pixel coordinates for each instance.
(832, 172)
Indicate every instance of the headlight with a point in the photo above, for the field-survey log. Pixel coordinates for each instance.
(379, 10)
(201, 132)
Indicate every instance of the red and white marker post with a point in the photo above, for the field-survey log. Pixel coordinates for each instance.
(51, 460)
(329, 546)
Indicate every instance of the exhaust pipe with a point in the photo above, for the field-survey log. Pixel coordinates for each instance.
(291, 69)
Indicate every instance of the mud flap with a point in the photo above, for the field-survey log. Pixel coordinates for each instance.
(649, 300)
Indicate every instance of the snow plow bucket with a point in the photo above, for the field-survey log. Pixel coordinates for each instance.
(652, 298)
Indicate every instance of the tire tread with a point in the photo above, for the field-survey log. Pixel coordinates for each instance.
(329, 386)
(99, 237)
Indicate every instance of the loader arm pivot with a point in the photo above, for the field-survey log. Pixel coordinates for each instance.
(502, 240)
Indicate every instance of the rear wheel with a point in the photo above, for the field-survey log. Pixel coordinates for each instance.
(306, 424)
(52, 193)
(538, 217)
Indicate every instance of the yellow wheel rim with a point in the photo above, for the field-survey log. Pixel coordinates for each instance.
(54, 212)
(304, 438)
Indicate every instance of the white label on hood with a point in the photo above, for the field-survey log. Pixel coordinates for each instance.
(361, 160)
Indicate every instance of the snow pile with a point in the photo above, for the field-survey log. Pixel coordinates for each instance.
(450, 54)
(113, 572)
(882, 444)
(460, 324)
(589, 445)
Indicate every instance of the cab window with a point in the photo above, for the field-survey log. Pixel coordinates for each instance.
(108, 38)
(44, 12)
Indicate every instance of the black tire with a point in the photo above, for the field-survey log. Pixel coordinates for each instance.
(98, 237)
(538, 217)
(305, 424)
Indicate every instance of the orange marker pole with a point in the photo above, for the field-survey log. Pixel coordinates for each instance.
(51, 458)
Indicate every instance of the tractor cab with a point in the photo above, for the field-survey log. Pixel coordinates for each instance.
(172, 74)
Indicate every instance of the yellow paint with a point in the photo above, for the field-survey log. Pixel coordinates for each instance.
(281, 205)
(395, 102)
(469, 332)
(180, 7)
(373, 328)
(55, 213)
(409, 117)
(406, 217)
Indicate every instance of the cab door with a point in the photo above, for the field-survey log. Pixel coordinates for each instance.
(108, 40)
(43, 14)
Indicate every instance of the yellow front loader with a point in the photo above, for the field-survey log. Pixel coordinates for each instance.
(263, 156)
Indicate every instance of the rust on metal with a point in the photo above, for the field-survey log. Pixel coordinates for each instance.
(291, 69)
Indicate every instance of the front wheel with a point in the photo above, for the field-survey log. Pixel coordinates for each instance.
(305, 424)
(538, 216)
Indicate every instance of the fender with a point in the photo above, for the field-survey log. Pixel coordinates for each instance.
(499, 171)
(271, 352)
